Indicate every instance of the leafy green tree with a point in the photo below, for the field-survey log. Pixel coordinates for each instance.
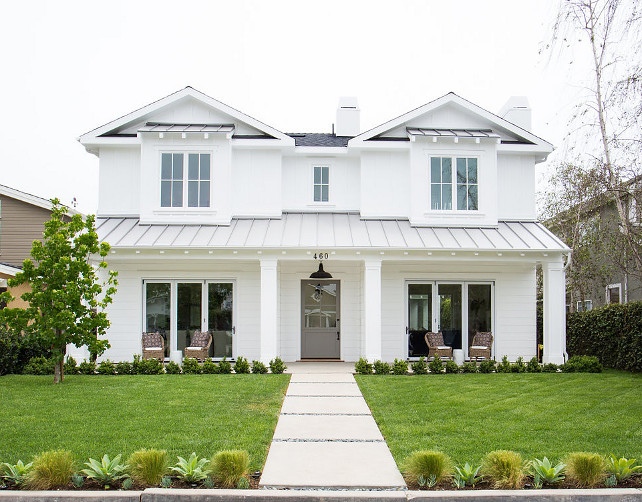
(67, 297)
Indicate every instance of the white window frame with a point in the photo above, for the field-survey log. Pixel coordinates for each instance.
(173, 332)
(312, 183)
(186, 153)
(454, 156)
(581, 306)
(435, 308)
(617, 286)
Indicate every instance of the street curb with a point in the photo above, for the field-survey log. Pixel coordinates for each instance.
(178, 495)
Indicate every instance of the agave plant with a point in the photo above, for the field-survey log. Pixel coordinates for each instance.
(466, 475)
(545, 473)
(622, 468)
(106, 471)
(191, 470)
(16, 473)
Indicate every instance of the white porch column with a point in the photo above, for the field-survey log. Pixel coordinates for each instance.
(554, 312)
(269, 313)
(372, 309)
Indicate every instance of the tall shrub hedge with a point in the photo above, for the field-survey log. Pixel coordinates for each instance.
(612, 333)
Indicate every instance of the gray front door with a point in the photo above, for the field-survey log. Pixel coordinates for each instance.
(320, 325)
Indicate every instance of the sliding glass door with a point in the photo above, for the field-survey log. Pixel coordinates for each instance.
(177, 308)
(457, 309)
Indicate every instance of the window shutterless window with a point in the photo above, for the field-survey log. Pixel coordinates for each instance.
(321, 183)
(185, 177)
(460, 184)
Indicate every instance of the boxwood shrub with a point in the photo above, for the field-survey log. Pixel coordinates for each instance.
(613, 334)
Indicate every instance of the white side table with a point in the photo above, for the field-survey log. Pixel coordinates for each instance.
(458, 356)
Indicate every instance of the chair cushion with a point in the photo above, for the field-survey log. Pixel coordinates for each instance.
(153, 348)
(440, 347)
(479, 347)
(200, 339)
(193, 348)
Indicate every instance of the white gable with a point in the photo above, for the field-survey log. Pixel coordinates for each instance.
(188, 110)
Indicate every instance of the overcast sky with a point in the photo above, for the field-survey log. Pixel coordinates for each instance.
(70, 66)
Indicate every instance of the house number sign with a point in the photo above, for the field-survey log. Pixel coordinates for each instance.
(320, 256)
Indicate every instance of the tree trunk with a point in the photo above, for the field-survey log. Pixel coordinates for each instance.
(58, 373)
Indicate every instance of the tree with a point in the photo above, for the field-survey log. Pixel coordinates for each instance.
(67, 299)
(605, 142)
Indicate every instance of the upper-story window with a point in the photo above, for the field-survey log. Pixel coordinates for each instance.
(448, 185)
(321, 183)
(185, 178)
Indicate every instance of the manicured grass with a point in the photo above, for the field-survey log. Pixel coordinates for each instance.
(94, 415)
(466, 416)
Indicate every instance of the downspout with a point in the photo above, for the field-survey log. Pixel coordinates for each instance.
(569, 258)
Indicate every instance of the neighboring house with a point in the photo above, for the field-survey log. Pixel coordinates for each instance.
(22, 219)
(427, 222)
(601, 270)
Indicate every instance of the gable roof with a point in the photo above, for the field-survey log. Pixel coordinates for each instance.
(94, 136)
(34, 200)
(449, 98)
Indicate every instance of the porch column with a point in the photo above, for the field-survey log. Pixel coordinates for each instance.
(269, 313)
(372, 309)
(554, 312)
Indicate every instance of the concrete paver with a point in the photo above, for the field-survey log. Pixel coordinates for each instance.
(334, 405)
(323, 389)
(326, 436)
(336, 464)
(327, 427)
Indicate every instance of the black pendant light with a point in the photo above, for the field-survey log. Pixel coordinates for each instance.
(320, 274)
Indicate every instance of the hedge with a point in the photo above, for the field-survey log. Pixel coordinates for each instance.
(612, 333)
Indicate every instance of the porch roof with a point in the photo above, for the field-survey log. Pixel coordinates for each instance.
(327, 231)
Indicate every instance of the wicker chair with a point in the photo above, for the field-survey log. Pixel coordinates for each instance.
(436, 345)
(480, 348)
(153, 346)
(200, 346)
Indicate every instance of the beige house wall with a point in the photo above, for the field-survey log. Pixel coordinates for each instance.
(16, 292)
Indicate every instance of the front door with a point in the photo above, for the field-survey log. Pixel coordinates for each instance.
(320, 325)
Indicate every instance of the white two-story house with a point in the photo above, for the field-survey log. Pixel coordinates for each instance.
(335, 246)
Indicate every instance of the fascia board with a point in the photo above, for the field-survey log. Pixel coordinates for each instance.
(34, 200)
(91, 136)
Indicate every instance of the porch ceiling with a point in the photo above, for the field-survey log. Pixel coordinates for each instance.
(327, 231)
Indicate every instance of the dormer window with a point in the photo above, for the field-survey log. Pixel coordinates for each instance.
(448, 184)
(185, 177)
(321, 183)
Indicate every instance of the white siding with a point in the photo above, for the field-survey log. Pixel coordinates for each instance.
(291, 274)
(256, 183)
(298, 178)
(516, 187)
(514, 328)
(119, 181)
(385, 184)
(126, 312)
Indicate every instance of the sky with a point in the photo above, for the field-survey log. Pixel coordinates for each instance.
(71, 66)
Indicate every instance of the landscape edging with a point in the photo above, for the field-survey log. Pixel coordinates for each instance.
(215, 495)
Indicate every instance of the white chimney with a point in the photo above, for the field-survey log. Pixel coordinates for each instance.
(518, 111)
(348, 117)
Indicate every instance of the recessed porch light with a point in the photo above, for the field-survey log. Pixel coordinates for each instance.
(358, 252)
(162, 252)
(211, 252)
(235, 252)
(522, 254)
(545, 254)
(137, 252)
(499, 254)
(476, 254)
(453, 254)
(259, 252)
(429, 253)
(405, 252)
(381, 252)
(186, 252)
(113, 252)
(283, 252)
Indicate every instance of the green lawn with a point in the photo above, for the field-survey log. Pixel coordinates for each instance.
(94, 415)
(466, 416)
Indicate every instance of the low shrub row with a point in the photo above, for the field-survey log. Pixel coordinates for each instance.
(576, 364)
(612, 333)
(505, 469)
(190, 366)
(58, 469)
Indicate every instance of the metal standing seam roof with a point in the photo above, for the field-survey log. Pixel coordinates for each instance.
(191, 128)
(327, 230)
(452, 133)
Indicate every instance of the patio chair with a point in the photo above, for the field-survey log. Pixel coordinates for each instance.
(199, 347)
(480, 348)
(436, 345)
(153, 346)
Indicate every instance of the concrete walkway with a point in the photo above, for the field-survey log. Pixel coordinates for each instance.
(326, 436)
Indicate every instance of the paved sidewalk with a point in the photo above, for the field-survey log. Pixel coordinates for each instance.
(326, 436)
